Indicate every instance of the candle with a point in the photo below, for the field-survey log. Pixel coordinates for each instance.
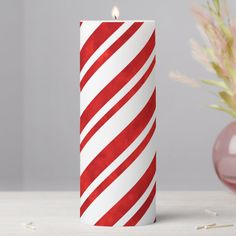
(117, 122)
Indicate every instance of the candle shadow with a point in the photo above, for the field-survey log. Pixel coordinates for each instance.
(176, 216)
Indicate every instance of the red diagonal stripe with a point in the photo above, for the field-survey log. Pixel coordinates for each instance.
(117, 106)
(130, 198)
(118, 144)
(81, 22)
(109, 52)
(96, 39)
(143, 209)
(117, 83)
(118, 171)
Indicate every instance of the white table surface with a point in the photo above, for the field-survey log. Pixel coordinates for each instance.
(57, 214)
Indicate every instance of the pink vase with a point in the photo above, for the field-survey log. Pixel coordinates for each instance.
(224, 156)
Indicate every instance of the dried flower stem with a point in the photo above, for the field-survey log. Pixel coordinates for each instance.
(184, 79)
(217, 54)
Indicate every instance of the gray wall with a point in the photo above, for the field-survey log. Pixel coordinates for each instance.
(51, 102)
(11, 93)
(50, 128)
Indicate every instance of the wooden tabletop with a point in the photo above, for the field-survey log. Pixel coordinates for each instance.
(57, 214)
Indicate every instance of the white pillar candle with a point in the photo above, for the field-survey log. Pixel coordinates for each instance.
(117, 123)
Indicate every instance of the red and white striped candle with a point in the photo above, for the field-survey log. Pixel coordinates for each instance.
(117, 123)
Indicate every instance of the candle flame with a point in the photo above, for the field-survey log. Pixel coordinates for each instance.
(115, 12)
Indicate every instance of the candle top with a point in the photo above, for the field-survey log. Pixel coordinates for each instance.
(151, 21)
(115, 15)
